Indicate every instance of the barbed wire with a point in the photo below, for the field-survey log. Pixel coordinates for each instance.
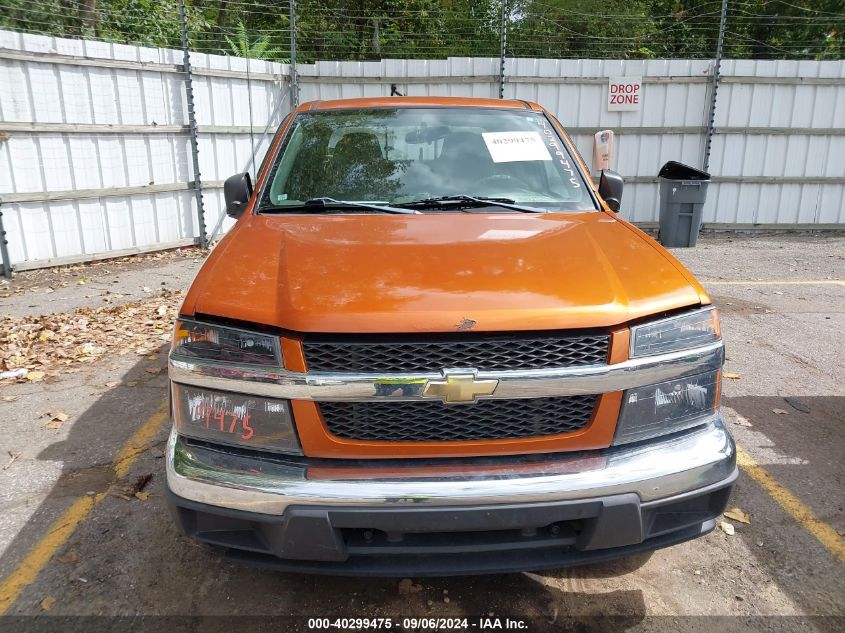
(331, 30)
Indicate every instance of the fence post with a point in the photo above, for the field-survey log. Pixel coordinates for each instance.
(4, 251)
(503, 47)
(714, 87)
(192, 123)
(294, 80)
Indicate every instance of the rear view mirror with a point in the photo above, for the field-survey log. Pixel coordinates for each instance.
(237, 190)
(610, 189)
(426, 134)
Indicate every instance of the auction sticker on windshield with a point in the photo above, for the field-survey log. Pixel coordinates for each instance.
(511, 147)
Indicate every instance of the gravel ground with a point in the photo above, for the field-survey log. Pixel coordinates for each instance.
(786, 406)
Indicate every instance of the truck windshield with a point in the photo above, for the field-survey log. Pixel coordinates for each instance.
(403, 155)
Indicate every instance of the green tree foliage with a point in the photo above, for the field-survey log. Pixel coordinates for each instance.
(435, 29)
(242, 45)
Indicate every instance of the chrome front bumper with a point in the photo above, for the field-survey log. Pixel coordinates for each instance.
(656, 470)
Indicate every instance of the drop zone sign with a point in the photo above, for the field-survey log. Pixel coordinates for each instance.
(625, 93)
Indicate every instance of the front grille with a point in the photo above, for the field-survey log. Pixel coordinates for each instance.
(438, 422)
(485, 353)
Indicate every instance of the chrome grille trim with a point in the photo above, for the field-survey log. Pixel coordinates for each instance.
(568, 381)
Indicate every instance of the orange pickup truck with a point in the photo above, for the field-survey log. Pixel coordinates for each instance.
(430, 346)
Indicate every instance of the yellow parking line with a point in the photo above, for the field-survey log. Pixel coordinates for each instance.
(826, 535)
(815, 282)
(58, 534)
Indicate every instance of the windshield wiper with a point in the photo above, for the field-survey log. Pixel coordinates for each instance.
(331, 203)
(504, 203)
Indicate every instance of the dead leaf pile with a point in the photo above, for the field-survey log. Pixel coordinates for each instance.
(53, 341)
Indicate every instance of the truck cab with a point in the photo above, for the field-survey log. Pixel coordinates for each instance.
(429, 345)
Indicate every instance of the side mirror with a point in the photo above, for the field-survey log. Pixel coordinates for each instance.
(610, 189)
(237, 190)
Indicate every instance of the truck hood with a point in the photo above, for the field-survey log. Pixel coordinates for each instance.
(438, 273)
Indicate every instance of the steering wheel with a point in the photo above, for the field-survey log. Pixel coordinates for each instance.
(502, 179)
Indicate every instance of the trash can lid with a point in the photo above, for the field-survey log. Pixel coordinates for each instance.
(678, 171)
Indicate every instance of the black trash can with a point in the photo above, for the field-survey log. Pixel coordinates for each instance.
(683, 190)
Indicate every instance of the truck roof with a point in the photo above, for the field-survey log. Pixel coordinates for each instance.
(388, 102)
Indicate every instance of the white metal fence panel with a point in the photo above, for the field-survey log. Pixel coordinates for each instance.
(668, 126)
(95, 155)
(783, 160)
(77, 131)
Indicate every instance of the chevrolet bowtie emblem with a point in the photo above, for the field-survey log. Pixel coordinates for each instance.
(459, 387)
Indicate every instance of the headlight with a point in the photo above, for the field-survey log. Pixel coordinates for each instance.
(194, 340)
(230, 418)
(667, 407)
(675, 333)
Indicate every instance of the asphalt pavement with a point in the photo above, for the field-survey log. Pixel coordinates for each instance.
(84, 530)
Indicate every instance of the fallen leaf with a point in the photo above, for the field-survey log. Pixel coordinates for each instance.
(68, 557)
(112, 383)
(727, 528)
(91, 349)
(407, 586)
(35, 376)
(48, 602)
(141, 482)
(735, 514)
(9, 398)
(740, 421)
(797, 405)
(731, 376)
(59, 416)
(780, 411)
(14, 458)
(53, 425)
(143, 496)
(152, 357)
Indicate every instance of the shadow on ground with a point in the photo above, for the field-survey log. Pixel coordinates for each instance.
(800, 441)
